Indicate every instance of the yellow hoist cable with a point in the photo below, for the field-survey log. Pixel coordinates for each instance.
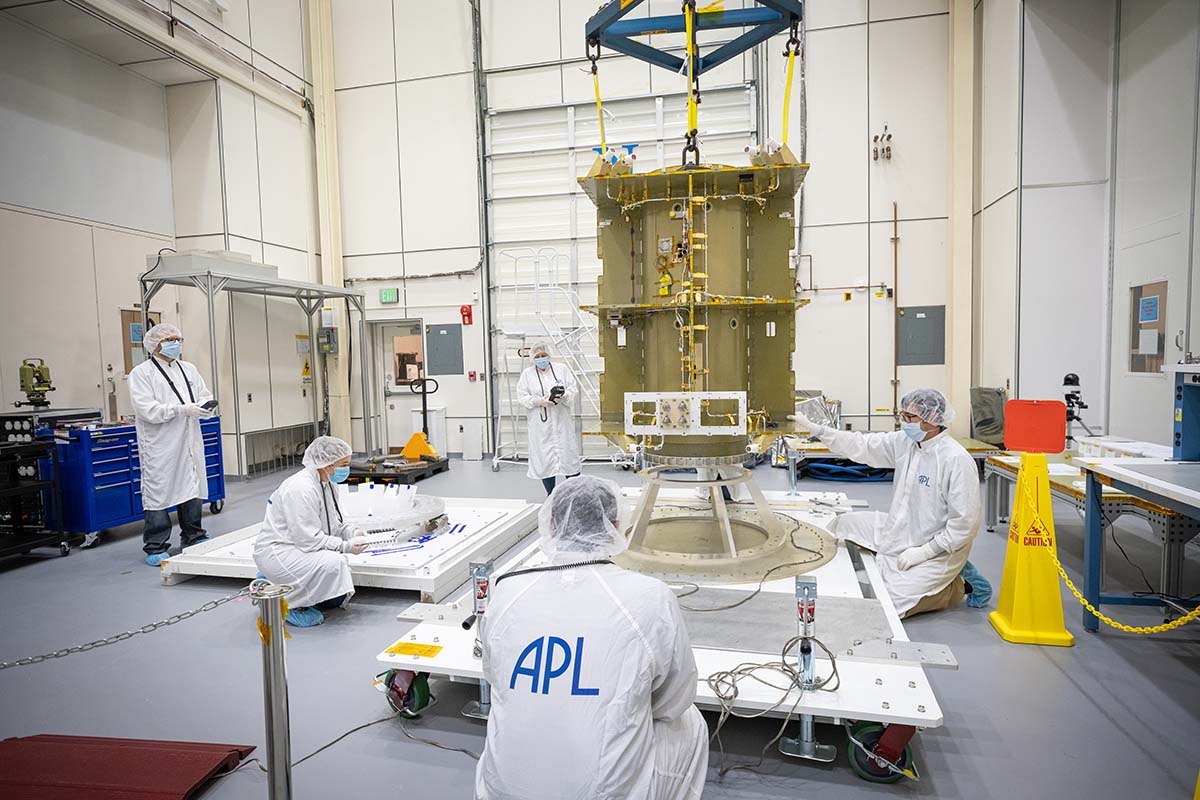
(1142, 631)
(599, 111)
(787, 93)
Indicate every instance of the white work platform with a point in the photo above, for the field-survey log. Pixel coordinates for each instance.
(479, 529)
(877, 682)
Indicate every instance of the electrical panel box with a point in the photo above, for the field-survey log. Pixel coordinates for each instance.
(921, 336)
(327, 341)
(444, 349)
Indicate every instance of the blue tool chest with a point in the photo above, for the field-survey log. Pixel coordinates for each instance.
(101, 474)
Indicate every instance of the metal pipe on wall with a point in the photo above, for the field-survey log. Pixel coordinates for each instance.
(895, 312)
(491, 397)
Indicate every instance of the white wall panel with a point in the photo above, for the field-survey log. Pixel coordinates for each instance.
(81, 136)
(275, 31)
(836, 366)
(230, 29)
(291, 401)
(54, 259)
(363, 46)
(997, 290)
(282, 177)
(439, 182)
(838, 144)
(908, 89)
(238, 145)
(195, 159)
(1064, 265)
(1000, 74)
(1067, 80)
(432, 38)
(253, 378)
(368, 163)
(829, 13)
(293, 264)
(897, 9)
(1156, 113)
(733, 72)
(529, 35)
(619, 77)
(539, 86)
(250, 247)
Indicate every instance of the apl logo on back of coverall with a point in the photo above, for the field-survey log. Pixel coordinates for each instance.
(543, 669)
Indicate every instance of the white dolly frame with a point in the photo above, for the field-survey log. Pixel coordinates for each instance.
(435, 576)
(873, 687)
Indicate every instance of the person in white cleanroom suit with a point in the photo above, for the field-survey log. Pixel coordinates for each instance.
(304, 540)
(554, 442)
(924, 540)
(168, 396)
(592, 675)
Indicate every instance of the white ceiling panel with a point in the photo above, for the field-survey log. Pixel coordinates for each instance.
(84, 30)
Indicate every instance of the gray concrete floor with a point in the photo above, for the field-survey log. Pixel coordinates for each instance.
(1116, 716)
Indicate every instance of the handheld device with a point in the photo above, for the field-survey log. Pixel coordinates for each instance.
(210, 405)
(556, 393)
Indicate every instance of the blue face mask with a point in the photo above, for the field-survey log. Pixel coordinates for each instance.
(171, 349)
(340, 474)
(541, 363)
(913, 431)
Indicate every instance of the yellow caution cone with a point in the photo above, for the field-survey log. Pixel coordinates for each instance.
(1029, 610)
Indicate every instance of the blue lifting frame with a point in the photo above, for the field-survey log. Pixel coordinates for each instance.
(609, 28)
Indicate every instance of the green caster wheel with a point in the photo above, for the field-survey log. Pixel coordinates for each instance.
(867, 767)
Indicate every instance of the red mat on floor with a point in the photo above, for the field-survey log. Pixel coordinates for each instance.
(51, 767)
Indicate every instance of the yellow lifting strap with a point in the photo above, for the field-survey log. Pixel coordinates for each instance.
(599, 110)
(689, 16)
(787, 93)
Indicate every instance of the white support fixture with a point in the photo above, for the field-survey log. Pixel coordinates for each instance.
(435, 566)
(887, 689)
(680, 414)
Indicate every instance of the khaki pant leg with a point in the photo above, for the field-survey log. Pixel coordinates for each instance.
(952, 595)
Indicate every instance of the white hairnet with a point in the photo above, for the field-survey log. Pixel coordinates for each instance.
(582, 520)
(539, 347)
(930, 405)
(325, 450)
(152, 337)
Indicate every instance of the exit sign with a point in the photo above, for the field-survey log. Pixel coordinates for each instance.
(389, 295)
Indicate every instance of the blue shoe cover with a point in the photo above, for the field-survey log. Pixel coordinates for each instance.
(304, 617)
(981, 589)
(157, 559)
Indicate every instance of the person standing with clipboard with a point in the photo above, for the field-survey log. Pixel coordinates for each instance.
(169, 397)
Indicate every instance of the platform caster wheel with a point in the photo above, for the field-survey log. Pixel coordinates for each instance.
(864, 765)
(64, 549)
(217, 507)
(626, 467)
(495, 467)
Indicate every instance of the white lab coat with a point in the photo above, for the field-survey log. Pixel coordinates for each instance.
(619, 721)
(554, 444)
(170, 444)
(303, 539)
(935, 499)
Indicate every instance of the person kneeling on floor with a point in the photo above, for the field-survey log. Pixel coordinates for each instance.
(303, 543)
(592, 674)
(924, 540)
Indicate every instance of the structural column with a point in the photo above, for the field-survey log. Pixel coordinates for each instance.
(329, 207)
(959, 271)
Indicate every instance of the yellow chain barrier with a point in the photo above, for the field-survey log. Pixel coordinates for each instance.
(1140, 630)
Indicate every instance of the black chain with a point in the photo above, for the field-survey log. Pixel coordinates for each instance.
(593, 52)
(120, 637)
(793, 42)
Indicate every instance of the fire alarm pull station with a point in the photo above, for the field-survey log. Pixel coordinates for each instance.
(471, 376)
(466, 314)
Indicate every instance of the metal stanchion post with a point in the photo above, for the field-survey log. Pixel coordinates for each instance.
(481, 580)
(269, 599)
(792, 458)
